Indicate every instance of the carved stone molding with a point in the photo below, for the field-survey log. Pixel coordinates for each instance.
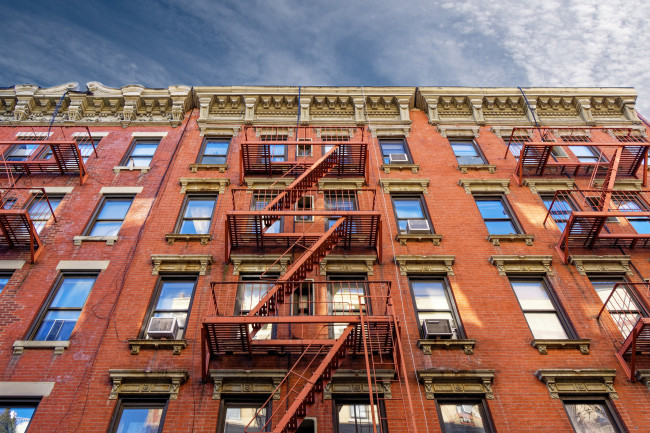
(197, 184)
(355, 382)
(221, 168)
(133, 382)
(456, 382)
(414, 168)
(543, 345)
(522, 264)
(623, 184)
(59, 347)
(249, 263)
(464, 168)
(427, 346)
(505, 132)
(246, 382)
(336, 263)
(176, 346)
(204, 239)
(340, 184)
(548, 185)
(181, 264)
(643, 376)
(451, 131)
(602, 264)
(412, 265)
(403, 238)
(521, 237)
(390, 131)
(567, 381)
(404, 185)
(485, 185)
(267, 183)
(110, 240)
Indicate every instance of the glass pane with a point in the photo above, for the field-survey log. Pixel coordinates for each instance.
(590, 418)
(140, 420)
(139, 161)
(216, 148)
(430, 295)
(546, 325)
(106, 228)
(500, 227)
(250, 294)
(238, 418)
(3, 282)
(73, 292)
(195, 227)
(15, 419)
(604, 288)
(464, 149)
(115, 209)
(532, 295)
(492, 209)
(175, 295)
(57, 326)
(584, 153)
(207, 159)
(144, 149)
(199, 208)
(641, 225)
(393, 147)
(346, 298)
(408, 208)
(356, 418)
(462, 418)
(181, 318)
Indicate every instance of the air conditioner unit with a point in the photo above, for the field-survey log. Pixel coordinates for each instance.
(398, 158)
(418, 227)
(436, 328)
(162, 327)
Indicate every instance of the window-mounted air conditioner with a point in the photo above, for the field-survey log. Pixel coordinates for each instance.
(162, 327)
(418, 227)
(398, 158)
(436, 328)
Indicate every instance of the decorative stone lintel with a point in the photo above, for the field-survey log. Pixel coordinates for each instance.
(427, 346)
(58, 346)
(181, 264)
(438, 382)
(246, 382)
(340, 184)
(141, 383)
(485, 185)
(173, 237)
(268, 183)
(409, 265)
(110, 240)
(259, 263)
(623, 184)
(506, 132)
(578, 382)
(458, 131)
(221, 168)
(464, 168)
(403, 238)
(602, 264)
(497, 239)
(404, 185)
(142, 169)
(176, 346)
(351, 382)
(548, 185)
(543, 345)
(197, 184)
(336, 263)
(522, 264)
(643, 376)
(388, 167)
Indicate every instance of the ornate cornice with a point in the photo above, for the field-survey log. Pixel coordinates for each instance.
(602, 264)
(567, 381)
(409, 265)
(142, 383)
(404, 185)
(485, 185)
(336, 263)
(198, 184)
(246, 382)
(355, 382)
(259, 263)
(180, 264)
(548, 185)
(456, 382)
(522, 264)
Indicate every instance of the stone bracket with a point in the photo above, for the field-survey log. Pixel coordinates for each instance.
(183, 264)
(522, 264)
(471, 186)
(176, 346)
(404, 185)
(497, 239)
(543, 345)
(578, 382)
(388, 167)
(259, 263)
(350, 264)
(464, 168)
(601, 264)
(427, 346)
(403, 238)
(141, 382)
(246, 382)
(19, 346)
(409, 265)
(190, 184)
(643, 376)
(460, 382)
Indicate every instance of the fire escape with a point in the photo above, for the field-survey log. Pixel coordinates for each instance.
(601, 155)
(355, 323)
(31, 152)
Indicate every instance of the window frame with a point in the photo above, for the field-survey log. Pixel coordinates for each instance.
(423, 206)
(305, 218)
(181, 215)
(142, 403)
(93, 219)
(613, 413)
(507, 208)
(451, 301)
(244, 278)
(204, 145)
(34, 199)
(358, 400)
(569, 201)
(155, 296)
(475, 145)
(479, 400)
(598, 156)
(6, 274)
(22, 402)
(384, 157)
(134, 143)
(631, 292)
(241, 402)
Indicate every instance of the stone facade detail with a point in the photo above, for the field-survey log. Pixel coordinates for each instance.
(602, 264)
(413, 265)
(257, 263)
(578, 382)
(458, 382)
(507, 265)
(242, 383)
(133, 382)
(180, 264)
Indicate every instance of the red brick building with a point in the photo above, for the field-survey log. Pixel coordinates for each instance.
(323, 259)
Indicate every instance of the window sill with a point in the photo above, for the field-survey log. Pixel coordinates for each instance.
(464, 168)
(110, 240)
(58, 346)
(467, 346)
(176, 346)
(404, 238)
(543, 345)
(388, 167)
(497, 239)
(173, 237)
(119, 168)
(221, 168)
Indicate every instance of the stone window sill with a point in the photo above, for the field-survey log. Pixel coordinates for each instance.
(467, 346)
(388, 167)
(110, 240)
(404, 238)
(497, 239)
(221, 168)
(173, 237)
(119, 168)
(543, 345)
(464, 168)
(58, 346)
(176, 346)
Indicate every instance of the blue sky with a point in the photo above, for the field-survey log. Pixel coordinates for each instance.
(329, 42)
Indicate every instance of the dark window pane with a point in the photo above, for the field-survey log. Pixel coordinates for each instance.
(462, 418)
(590, 417)
(15, 418)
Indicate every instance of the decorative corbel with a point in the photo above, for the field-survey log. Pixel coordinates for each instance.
(584, 106)
(249, 114)
(477, 111)
(404, 110)
(305, 104)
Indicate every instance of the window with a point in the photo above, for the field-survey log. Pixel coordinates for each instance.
(433, 300)
(260, 202)
(345, 200)
(496, 215)
(85, 148)
(411, 209)
(60, 317)
(356, 416)
(173, 299)
(214, 151)
(110, 216)
(625, 319)
(540, 310)
(40, 212)
(236, 416)
(21, 152)
(196, 215)
(305, 203)
(302, 303)
(4, 279)
(464, 416)
(133, 415)
(558, 152)
(562, 209)
(517, 144)
(303, 150)
(141, 153)
(345, 297)
(467, 153)
(632, 204)
(397, 148)
(16, 415)
(278, 152)
(586, 154)
(595, 415)
(250, 291)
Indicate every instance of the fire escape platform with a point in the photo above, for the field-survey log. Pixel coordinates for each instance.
(17, 230)
(635, 345)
